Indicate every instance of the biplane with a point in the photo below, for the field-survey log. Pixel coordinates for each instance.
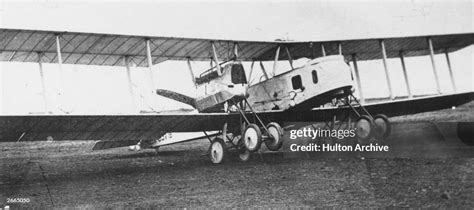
(244, 115)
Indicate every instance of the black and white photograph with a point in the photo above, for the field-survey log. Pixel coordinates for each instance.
(159, 104)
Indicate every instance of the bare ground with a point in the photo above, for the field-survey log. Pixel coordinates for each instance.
(428, 167)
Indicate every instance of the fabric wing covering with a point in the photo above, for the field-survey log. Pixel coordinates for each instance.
(110, 49)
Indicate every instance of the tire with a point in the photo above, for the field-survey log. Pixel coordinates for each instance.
(364, 128)
(217, 151)
(382, 127)
(275, 142)
(252, 137)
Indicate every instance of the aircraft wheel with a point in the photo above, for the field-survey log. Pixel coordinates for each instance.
(252, 137)
(244, 154)
(217, 151)
(364, 128)
(275, 142)
(382, 126)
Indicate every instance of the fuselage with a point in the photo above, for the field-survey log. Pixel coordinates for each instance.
(314, 84)
(311, 85)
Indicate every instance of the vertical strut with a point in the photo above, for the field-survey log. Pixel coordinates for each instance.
(126, 59)
(323, 51)
(191, 73)
(236, 50)
(289, 57)
(385, 65)
(216, 59)
(359, 86)
(313, 55)
(430, 46)
(450, 70)
(61, 73)
(251, 71)
(277, 55)
(407, 83)
(339, 47)
(43, 85)
(150, 65)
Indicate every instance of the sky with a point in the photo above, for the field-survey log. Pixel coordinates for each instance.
(104, 90)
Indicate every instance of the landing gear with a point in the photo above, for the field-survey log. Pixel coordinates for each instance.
(382, 126)
(248, 138)
(364, 128)
(257, 132)
(217, 150)
(275, 140)
(252, 137)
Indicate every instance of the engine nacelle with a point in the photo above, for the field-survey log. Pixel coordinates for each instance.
(231, 85)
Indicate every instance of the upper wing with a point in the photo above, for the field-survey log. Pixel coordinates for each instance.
(136, 127)
(110, 49)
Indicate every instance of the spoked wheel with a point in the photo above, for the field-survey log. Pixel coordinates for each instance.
(364, 128)
(275, 141)
(217, 151)
(252, 137)
(244, 154)
(382, 126)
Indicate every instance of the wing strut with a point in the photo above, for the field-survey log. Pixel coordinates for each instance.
(61, 92)
(150, 65)
(126, 59)
(236, 50)
(216, 59)
(313, 55)
(430, 46)
(450, 70)
(277, 55)
(385, 65)
(339, 47)
(188, 61)
(323, 51)
(359, 86)
(289, 57)
(407, 83)
(250, 73)
(43, 85)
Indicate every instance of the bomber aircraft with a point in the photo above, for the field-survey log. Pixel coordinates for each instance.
(238, 115)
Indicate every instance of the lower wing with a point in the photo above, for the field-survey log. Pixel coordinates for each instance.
(143, 127)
